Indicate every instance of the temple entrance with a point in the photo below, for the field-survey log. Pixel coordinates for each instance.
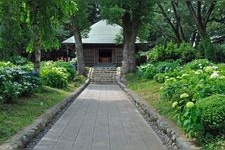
(105, 56)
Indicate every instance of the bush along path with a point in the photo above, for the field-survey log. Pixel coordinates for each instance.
(24, 96)
(192, 95)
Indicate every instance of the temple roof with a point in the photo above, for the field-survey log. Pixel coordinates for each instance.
(100, 33)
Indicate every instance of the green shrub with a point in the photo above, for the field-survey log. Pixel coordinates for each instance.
(10, 91)
(162, 53)
(79, 79)
(61, 64)
(167, 66)
(188, 52)
(149, 70)
(6, 64)
(206, 48)
(19, 61)
(156, 54)
(68, 66)
(198, 84)
(15, 82)
(198, 64)
(54, 76)
(189, 119)
(185, 52)
(219, 53)
(161, 77)
(213, 113)
(196, 80)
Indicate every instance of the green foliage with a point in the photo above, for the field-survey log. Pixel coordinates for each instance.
(79, 79)
(188, 53)
(161, 77)
(68, 66)
(54, 76)
(212, 113)
(113, 14)
(213, 52)
(44, 17)
(128, 13)
(219, 53)
(149, 70)
(28, 25)
(189, 119)
(195, 81)
(198, 64)
(13, 29)
(57, 74)
(212, 142)
(6, 64)
(167, 66)
(16, 81)
(19, 61)
(185, 52)
(207, 49)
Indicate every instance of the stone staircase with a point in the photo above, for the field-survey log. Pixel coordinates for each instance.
(103, 75)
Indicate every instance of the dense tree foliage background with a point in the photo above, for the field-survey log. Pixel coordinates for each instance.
(30, 26)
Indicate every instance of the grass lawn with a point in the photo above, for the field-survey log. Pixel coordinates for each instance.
(149, 90)
(14, 117)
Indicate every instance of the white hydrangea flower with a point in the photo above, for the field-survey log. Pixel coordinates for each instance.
(209, 69)
(215, 67)
(184, 75)
(190, 104)
(214, 75)
(184, 95)
(198, 72)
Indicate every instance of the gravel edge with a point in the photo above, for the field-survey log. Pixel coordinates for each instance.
(165, 132)
(21, 139)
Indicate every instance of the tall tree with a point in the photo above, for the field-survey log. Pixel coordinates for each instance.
(216, 25)
(80, 23)
(12, 28)
(201, 15)
(175, 21)
(131, 15)
(44, 16)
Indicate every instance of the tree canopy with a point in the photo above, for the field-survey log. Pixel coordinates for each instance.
(36, 25)
(132, 16)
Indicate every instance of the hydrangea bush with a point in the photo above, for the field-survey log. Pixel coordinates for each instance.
(57, 74)
(16, 81)
(197, 80)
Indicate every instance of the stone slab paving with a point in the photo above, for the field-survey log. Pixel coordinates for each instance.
(101, 118)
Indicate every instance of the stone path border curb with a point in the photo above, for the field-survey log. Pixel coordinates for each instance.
(22, 138)
(167, 134)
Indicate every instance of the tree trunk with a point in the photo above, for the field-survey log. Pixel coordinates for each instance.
(130, 30)
(79, 46)
(201, 24)
(128, 64)
(177, 29)
(36, 40)
(37, 49)
(197, 19)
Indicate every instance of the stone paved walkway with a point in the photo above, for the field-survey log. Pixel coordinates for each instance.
(101, 118)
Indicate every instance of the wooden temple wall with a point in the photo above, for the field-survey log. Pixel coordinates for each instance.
(91, 56)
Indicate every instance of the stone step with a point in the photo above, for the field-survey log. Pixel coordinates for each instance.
(103, 75)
